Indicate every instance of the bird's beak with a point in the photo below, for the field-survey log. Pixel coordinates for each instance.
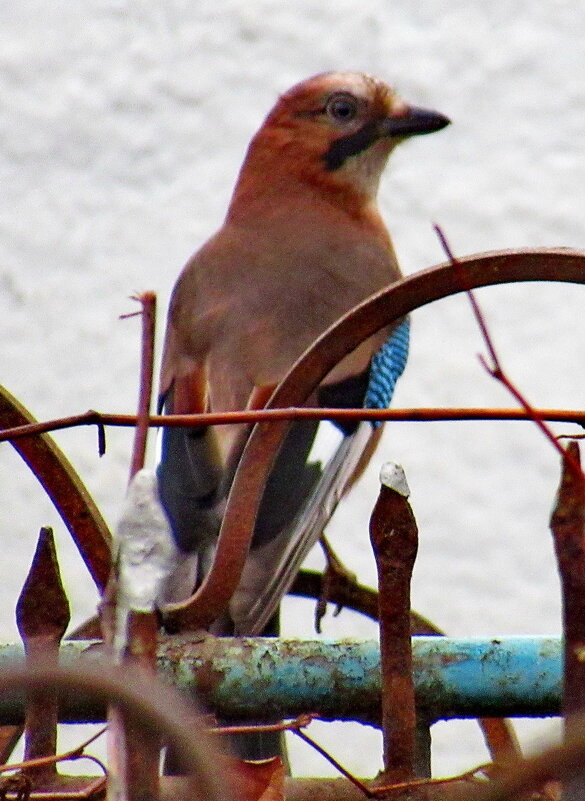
(415, 121)
(411, 121)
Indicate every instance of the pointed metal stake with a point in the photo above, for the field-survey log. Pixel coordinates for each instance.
(394, 538)
(42, 616)
(568, 529)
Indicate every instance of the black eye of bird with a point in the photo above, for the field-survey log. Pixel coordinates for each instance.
(342, 107)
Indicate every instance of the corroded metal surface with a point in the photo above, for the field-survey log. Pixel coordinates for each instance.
(42, 609)
(394, 538)
(42, 616)
(568, 528)
(341, 680)
(255, 677)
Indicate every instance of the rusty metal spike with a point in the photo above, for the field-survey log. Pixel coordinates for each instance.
(42, 608)
(42, 616)
(568, 529)
(394, 538)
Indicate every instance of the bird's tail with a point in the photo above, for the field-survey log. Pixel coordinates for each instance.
(271, 567)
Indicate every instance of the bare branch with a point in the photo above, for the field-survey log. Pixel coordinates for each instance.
(495, 369)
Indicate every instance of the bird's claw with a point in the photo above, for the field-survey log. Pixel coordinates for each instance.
(334, 575)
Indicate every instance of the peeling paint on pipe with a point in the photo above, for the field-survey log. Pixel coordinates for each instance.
(272, 678)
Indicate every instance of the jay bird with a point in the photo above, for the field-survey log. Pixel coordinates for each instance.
(303, 243)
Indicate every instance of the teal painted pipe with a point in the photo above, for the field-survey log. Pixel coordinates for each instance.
(268, 679)
(503, 677)
(518, 676)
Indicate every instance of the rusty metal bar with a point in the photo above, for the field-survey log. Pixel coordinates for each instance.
(568, 528)
(394, 537)
(142, 746)
(42, 616)
(140, 751)
(148, 314)
(422, 751)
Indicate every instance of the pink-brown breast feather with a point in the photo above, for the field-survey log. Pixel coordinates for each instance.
(257, 295)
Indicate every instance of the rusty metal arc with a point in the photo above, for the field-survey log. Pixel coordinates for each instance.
(414, 291)
(65, 489)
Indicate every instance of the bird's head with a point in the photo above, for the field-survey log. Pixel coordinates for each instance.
(335, 131)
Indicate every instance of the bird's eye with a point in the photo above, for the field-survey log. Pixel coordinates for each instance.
(342, 108)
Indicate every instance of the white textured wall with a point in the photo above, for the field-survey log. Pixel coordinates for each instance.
(122, 125)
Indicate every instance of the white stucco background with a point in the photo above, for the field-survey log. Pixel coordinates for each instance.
(122, 126)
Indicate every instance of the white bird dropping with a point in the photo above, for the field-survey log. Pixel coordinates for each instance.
(392, 476)
(145, 549)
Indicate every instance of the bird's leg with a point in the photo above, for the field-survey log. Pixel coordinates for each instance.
(335, 574)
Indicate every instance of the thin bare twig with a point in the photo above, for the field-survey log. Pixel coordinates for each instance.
(467, 776)
(422, 414)
(353, 779)
(284, 725)
(75, 753)
(295, 725)
(495, 369)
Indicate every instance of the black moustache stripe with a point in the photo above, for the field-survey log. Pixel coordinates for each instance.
(346, 146)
